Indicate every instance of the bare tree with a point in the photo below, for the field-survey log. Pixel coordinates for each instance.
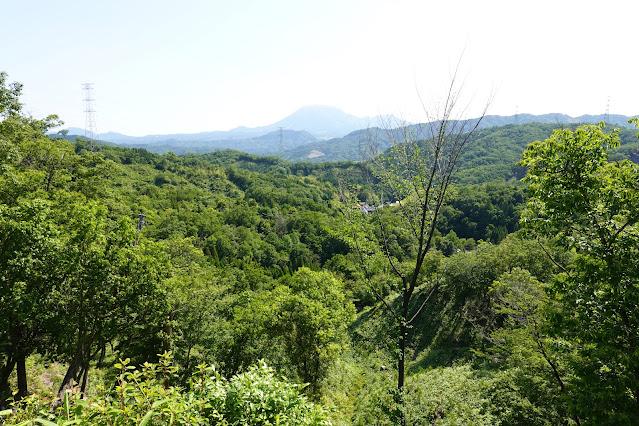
(416, 172)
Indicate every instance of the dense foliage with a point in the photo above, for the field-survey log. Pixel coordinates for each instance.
(111, 255)
(591, 206)
(146, 396)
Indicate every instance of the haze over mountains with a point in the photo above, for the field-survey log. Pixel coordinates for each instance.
(313, 133)
(323, 122)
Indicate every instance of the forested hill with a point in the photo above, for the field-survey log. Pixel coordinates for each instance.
(232, 288)
(235, 253)
(489, 141)
(491, 154)
(319, 134)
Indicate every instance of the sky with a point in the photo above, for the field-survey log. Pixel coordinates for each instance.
(187, 66)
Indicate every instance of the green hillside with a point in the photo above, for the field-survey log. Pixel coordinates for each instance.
(230, 288)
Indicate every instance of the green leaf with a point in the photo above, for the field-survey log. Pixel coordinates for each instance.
(146, 418)
(67, 408)
(45, 422)
(156, 404)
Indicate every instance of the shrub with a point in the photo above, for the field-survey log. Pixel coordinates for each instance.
(145, 396)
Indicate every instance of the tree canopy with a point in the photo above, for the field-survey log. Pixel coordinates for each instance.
(506, 302)
(588, 204)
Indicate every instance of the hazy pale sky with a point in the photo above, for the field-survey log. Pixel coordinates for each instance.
(169, 66)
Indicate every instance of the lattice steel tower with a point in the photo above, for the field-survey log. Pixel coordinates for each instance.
(90, 128)
(281, 141)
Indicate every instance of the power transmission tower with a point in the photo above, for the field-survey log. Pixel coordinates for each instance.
(90, 128)
(141, 223)
(281, 141)
(607, 116)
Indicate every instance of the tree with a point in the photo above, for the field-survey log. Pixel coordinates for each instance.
(29, 236)
(30, 250)
(313, 321)
(30, 159)
(298, 326)
(9, 97)
(520, 335)
(108, 288)
(591, 206)
(417, 173)
(197, 326)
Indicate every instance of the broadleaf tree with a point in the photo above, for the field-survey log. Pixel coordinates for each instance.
(30, 249)
(590, 205)
(109, 287)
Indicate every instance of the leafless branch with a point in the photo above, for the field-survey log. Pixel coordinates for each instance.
(552, 259)
(427, 298)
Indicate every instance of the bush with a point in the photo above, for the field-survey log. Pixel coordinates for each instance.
(145, 396)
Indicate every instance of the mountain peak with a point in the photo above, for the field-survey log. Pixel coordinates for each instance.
(322, 121)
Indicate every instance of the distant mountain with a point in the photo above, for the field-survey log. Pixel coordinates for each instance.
(270, 143)
(491, 154)
(353, 147)
(554, 118)
(108, 136)
(315, 133)
(322, 122)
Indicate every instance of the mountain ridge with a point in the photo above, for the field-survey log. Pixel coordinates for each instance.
(334, 123)
(351, 147)
(323, 122)
(291, 138)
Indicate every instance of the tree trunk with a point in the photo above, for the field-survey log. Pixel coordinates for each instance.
(22, 378)
(401, 363)
(70, 376)
(5, 389)
(85, 376)
(102, 355)
(168, 331)
(401, 369)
